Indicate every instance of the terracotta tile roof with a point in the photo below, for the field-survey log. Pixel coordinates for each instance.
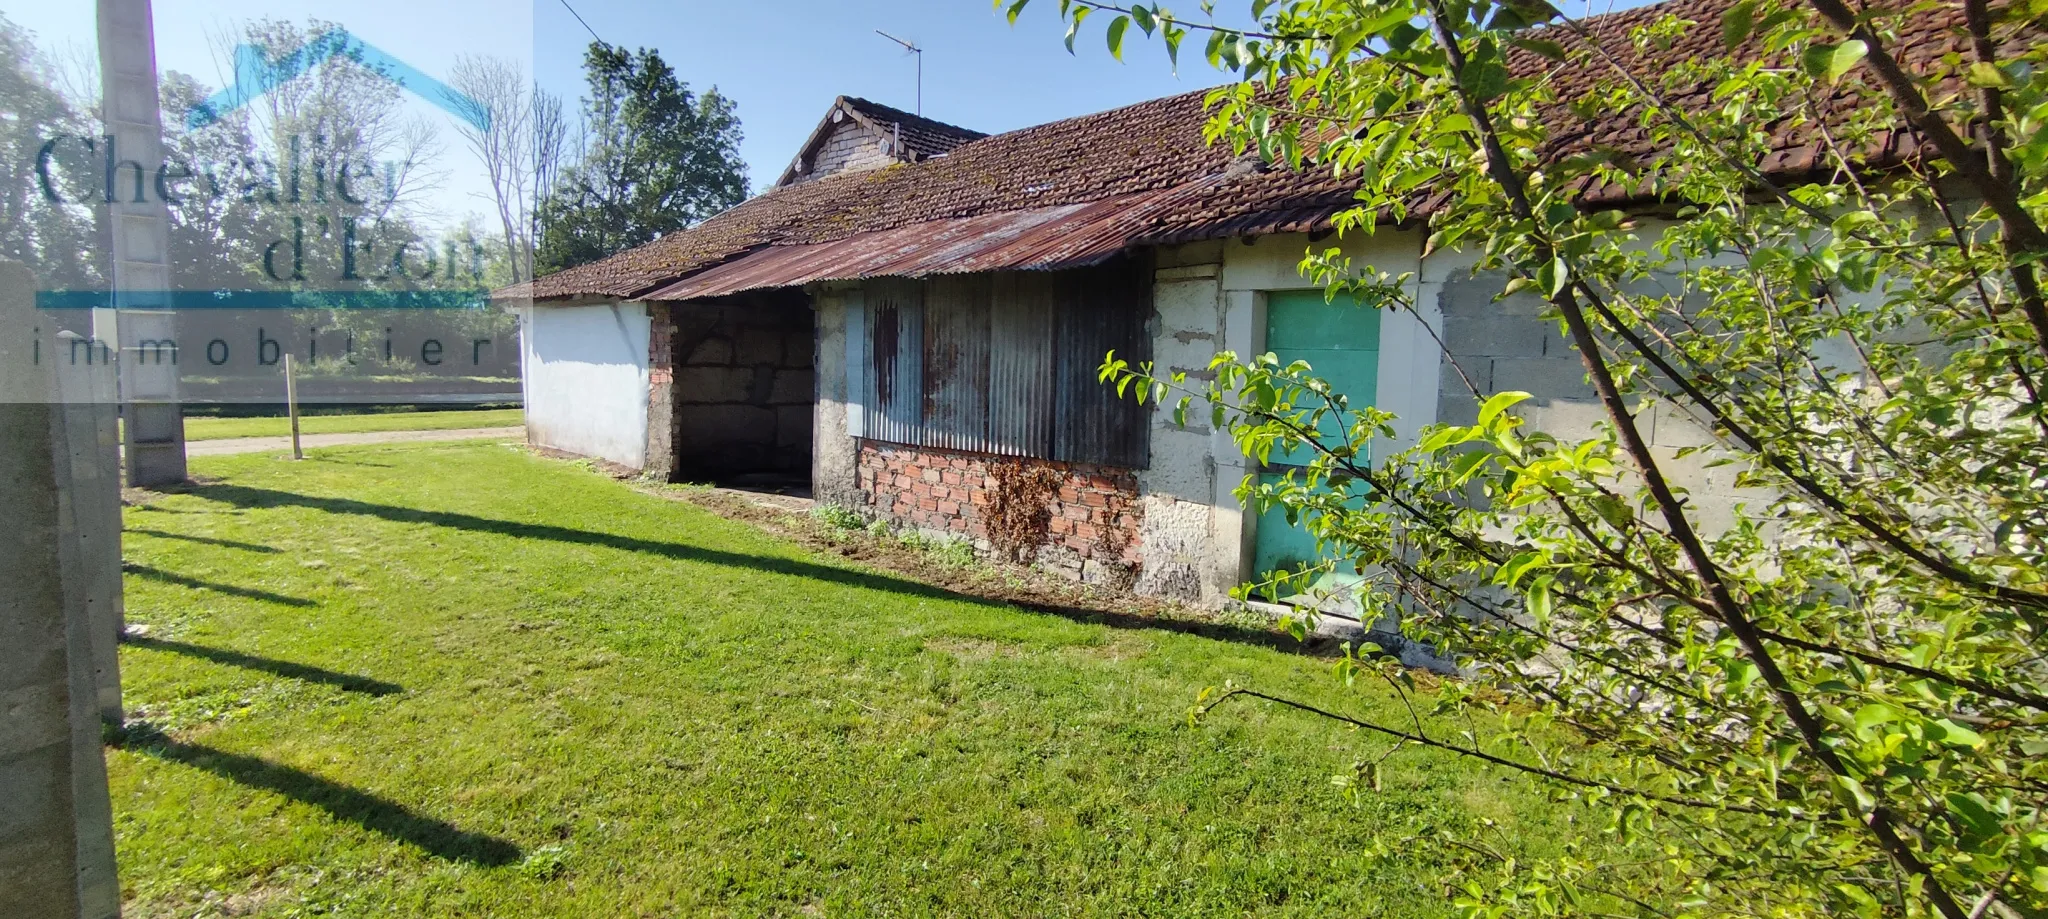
(1156, 145)
(1144, 147)
(922, 136)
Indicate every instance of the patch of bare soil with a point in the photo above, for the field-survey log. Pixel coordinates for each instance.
(605, 466)
(132, 496)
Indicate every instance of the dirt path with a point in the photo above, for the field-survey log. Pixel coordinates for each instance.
(311, 441)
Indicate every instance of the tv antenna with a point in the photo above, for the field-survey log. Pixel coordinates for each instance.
(913, 49)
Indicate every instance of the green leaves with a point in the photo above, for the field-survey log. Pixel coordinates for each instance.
(1540, 46)
(1143, 16)
(1737, 22)
(1518, 567)
(1989, 76)
(1116, 36)
(1829, 62)
(1498, 403)
(1552, 276)
(1851, 793)
(1080, 14)
(1807, 367)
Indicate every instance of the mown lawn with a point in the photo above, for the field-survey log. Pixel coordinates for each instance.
(458, 680)
(201, 428)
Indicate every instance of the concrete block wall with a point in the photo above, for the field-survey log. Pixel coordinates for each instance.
(852, 146)
(1093, 526)
(584, 370)
(1190, 542)
(834, 453)
(1506, 345)
(738, 382)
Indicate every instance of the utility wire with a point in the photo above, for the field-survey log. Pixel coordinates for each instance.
(579, 19)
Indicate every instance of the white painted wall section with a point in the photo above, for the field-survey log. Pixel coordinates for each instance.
(1410, 358)
(586, 380)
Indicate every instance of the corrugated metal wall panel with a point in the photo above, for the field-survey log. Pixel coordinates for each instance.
(1103, 309)
(896, 360)
(1021, 363)
(1007, 363)
(956, 362)
(857, 373)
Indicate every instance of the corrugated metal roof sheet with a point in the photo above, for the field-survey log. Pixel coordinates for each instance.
(1046, 238)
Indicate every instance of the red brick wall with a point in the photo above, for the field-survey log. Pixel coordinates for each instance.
(661, 332)
(1094, 514)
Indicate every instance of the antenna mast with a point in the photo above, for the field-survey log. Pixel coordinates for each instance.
(913, 49)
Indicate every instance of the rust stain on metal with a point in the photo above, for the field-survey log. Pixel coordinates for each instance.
(1048, 238)
(884, 345)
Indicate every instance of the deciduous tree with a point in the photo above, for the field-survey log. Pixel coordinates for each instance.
(655, 158)
(1836, 704)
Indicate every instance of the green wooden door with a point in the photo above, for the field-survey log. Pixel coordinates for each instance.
(1341, 343)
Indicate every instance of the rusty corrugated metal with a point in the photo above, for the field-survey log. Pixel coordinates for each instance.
(1021, 363)
(956, 354)
(1006, 363)
(1048, 238)
(1105, 310)
(894, 396)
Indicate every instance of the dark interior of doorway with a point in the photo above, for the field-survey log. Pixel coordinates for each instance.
(745, 390)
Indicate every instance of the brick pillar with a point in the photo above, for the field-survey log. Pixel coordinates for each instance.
(661, 392)
(56, 823)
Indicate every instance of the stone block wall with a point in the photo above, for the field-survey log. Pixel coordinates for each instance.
(661, 387)
(1090, 528)
(735, 381)
(850, 147)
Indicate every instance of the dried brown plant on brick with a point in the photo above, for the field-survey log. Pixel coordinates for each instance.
(1020, 507)
(1112, 538)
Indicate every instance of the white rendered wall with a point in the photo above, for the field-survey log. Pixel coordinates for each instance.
(586, 380)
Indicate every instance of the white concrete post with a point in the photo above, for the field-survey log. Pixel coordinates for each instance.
(56, 822)
(138, 226)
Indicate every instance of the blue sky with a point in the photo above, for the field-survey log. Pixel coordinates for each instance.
(783, 63)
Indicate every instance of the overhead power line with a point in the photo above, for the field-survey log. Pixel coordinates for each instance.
(579, 19)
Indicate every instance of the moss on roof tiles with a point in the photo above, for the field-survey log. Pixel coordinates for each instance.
(1158, 144)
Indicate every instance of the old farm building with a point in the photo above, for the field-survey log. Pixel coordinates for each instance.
(913, 316)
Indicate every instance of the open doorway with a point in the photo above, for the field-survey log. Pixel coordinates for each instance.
(744, 390)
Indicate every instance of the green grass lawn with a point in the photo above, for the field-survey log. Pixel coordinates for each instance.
(199, 428)
(459, 680)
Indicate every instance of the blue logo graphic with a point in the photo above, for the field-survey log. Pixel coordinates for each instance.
(255, 76)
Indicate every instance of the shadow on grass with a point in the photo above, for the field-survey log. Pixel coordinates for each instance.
(247, 593)
(325, 457)
(310, 674)
(242, 496)
(438, 838)
(208, 540)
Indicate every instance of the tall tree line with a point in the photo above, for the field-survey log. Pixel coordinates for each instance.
(652, 157)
